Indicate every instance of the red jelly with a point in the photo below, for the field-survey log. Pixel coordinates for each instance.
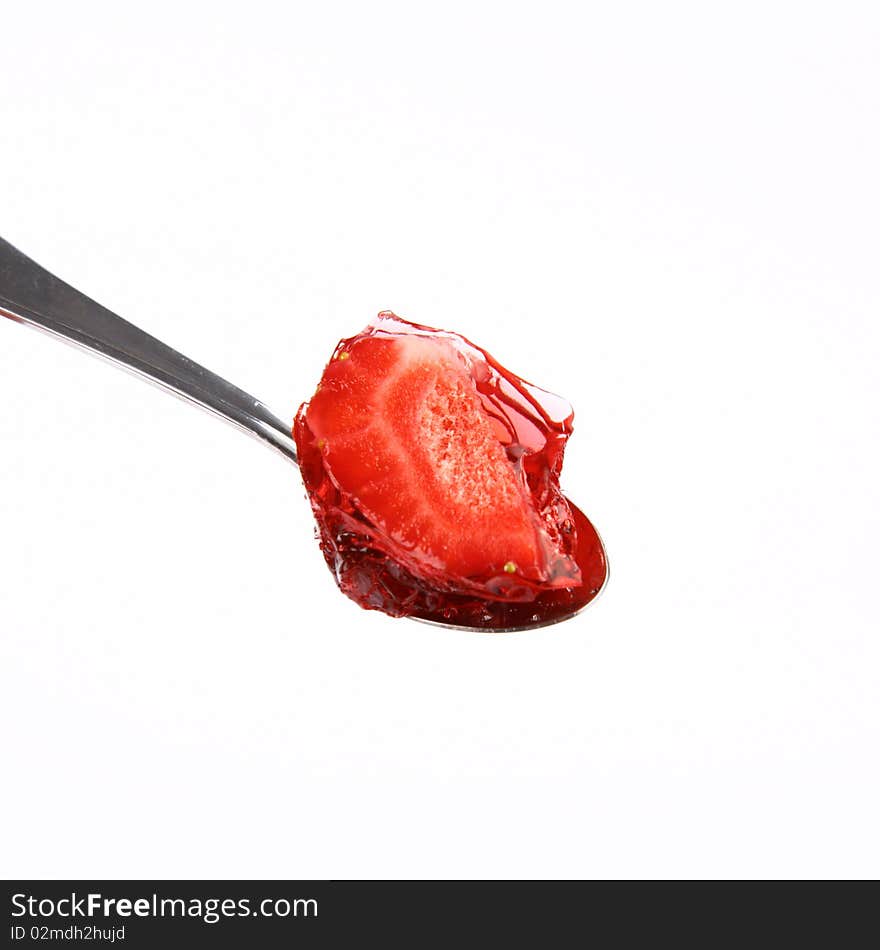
(433, 474)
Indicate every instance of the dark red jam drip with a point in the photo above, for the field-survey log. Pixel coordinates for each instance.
(533, 427)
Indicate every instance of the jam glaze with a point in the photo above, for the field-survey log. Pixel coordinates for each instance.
(532, 426)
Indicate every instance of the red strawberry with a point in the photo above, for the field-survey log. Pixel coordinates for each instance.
(436, 466)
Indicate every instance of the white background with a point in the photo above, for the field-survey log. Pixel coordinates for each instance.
(668, 213)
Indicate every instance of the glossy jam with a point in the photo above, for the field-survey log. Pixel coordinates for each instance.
(533, 427)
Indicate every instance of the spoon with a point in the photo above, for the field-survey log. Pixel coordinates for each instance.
(30, 294)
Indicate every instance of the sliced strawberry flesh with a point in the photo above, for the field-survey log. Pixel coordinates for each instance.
(433, 475)
(404, 433)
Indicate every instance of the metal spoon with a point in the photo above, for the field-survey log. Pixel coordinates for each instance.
(30, 294)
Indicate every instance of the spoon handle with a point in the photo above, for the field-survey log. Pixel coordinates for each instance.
(30, 294)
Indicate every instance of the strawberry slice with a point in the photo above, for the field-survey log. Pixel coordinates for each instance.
(437, 469)
(403, 431)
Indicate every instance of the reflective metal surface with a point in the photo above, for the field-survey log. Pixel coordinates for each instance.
(30, 294)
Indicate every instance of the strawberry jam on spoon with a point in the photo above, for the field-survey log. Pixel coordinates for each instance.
(433, 475)
(432, 471)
